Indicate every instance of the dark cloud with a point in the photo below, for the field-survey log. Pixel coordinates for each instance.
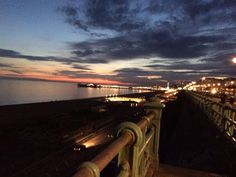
(114, 15)
(93, 60)
(69, 11)
(4, 65)
(207, 9)
(153, 7)
(127, 75)
(8, 53)
(140, 76)
(215, 65)
(86, 52)
(16, 71)
(82, 74)
(149, 44)
(173, 30)
(73, 17)
(126, 16)
(80, 67)
(14, 54)
(75, 62)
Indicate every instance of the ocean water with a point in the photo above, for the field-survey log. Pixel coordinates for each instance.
(25, 91)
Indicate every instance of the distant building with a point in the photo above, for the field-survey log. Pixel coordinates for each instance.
(218, 85)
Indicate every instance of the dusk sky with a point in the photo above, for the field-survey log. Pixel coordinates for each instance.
(143, 42)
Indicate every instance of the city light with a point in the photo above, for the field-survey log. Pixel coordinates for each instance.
(213, 91)
(138, 100)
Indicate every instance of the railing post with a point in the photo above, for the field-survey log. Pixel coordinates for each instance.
(124, 169)
(130, 153)
(155, 106)
(92, 169)
(223, 119)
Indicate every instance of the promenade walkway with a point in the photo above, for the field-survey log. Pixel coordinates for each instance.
(190, 139)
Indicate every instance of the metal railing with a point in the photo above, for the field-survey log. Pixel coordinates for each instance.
(223, 115)
(135, 148)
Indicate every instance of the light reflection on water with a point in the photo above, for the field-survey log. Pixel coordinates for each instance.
(24, 91)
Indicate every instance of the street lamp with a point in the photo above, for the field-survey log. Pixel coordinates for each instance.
(234, 60)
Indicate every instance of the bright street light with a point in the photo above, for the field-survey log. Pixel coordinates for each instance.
(234, 60)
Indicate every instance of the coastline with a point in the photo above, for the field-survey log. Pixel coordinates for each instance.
(22, 112)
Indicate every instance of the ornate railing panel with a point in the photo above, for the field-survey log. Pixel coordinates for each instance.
(136, 146)
(223, 115)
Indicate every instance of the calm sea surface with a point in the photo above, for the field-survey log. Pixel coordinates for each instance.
(24, 91)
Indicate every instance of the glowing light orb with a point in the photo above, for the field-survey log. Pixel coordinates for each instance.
(213, 91)
(234, 60)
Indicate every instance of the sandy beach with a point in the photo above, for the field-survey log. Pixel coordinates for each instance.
(31, 131)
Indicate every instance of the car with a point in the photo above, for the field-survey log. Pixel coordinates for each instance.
(79, 147)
